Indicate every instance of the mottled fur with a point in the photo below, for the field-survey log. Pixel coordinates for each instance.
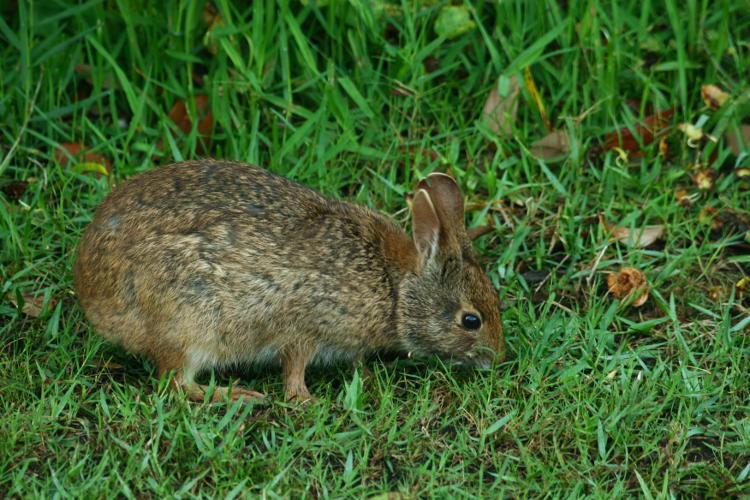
(209, 263)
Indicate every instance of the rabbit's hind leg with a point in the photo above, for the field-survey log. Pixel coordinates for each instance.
(183, 381)
(294, 360)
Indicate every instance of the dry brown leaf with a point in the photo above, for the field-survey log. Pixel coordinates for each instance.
(500, 111)
(713, 96)
(739, 140)
(634, 238)
(33, 305)
(552, 145)
(90, 161)
(654, 127)
(627, 283)
(180, 116)
(709, 215)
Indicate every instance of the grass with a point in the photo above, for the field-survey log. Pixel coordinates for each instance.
(597, 398)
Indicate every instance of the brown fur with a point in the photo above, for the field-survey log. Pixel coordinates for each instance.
(208, 263)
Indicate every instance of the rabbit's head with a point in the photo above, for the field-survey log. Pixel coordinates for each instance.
(447, 305)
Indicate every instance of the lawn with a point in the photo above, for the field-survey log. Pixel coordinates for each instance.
(602, 395)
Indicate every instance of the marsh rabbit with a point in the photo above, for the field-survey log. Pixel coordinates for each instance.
(209, 263)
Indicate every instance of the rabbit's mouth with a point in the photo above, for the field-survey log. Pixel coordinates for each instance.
(479, 357)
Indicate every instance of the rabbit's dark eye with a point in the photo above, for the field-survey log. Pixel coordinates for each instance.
(471, 321)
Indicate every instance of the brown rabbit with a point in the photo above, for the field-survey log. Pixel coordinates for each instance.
(210, 263)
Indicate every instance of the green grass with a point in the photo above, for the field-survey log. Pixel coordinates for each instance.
(597, 398)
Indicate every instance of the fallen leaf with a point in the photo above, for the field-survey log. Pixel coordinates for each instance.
(634, 238)
(713, 96)
(181, 117)
(654, 127)
(14, 190)
(90, 161)
(705, 178)
(33, 305)
(739, 140)
(453, 20)
(709, 215)
(500, 111)
(627, 283)
(552, 145)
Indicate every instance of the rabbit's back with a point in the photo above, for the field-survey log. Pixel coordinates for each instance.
(230, 262)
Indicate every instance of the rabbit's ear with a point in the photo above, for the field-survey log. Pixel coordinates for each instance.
(449, 204)
(449, 207)
(426, 225)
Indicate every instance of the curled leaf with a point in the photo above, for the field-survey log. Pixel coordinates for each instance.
(684, 198)
(694, 134)
(629, 284)
(634, 238)
(713, 96)
(705, 178)
(500, 110)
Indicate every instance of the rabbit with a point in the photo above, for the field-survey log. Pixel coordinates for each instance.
(208, 263)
